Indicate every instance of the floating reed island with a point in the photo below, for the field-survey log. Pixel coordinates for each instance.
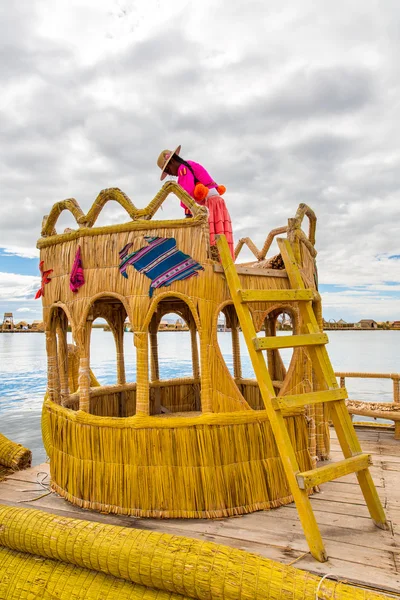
(192, 447)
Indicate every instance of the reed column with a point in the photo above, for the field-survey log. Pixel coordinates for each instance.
(195, 349)
(53, 382)
(83, 341)
(154, 365)
(63, 363)
(234, 325)
(142, 373)
(119, 343)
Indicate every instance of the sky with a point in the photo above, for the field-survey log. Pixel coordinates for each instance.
(282, 101)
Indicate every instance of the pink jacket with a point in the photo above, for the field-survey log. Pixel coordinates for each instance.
(186, 179)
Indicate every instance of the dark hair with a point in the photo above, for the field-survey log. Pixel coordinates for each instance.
(186, 164)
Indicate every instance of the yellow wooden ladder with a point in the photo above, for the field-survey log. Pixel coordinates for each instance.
(355, 460)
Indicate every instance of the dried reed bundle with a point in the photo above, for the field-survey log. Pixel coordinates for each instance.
(379, 410)
(13, 457)
(168, 563)
(27, 576)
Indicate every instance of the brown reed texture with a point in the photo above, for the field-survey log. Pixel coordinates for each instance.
(13, 457)
(173, 566)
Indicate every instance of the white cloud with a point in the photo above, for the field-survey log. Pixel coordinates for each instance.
(283, 102)
(14, 286)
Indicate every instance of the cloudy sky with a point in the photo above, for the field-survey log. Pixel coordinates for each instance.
(283, 102)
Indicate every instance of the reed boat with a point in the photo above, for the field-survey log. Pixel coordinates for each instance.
(243, 465)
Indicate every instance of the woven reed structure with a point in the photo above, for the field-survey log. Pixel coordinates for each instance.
(45, 556)
(13, 457)
(194, 447)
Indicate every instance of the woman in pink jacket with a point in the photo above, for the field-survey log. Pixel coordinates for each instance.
(195, 180)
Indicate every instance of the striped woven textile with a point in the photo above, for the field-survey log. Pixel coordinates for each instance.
(160, 260)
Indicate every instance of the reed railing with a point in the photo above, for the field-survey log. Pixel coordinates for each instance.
(376, 410)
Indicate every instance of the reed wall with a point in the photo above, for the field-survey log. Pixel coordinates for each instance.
(170, 466)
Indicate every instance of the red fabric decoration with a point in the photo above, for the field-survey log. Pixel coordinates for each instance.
(200, 192)
(77, 278)
(221, 189)
(45, 279)
(219, 221)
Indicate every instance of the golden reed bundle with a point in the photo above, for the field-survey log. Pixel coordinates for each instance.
(86, 560)
(13, 457)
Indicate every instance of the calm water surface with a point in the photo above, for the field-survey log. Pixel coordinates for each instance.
(23, 370)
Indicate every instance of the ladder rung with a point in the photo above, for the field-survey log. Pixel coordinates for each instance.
(276, 295)
(297, 400)
(309, 479)
(290, 341)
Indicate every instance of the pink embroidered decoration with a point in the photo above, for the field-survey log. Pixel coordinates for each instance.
(77, 278)
(45, 279)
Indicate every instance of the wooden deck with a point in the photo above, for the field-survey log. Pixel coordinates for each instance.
(357, 550)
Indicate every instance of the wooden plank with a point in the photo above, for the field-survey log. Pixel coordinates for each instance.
(363, 575)
(290, 341)
(334, 496)
(276, 295)
(298, 400)
(342, 515)
(350, 446)
(281, 273)
(314, 477)
(271, 534)
(288, 523)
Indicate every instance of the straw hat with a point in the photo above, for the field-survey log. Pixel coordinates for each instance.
(164, 159)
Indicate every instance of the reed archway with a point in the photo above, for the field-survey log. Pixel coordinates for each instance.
(58, 382)
(173, 330)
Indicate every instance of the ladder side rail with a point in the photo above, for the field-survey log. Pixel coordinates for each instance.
(341, 419)
(284, 445)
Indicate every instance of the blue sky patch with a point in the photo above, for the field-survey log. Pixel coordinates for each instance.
(10, 263)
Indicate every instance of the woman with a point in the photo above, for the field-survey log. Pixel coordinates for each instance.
(195, 180)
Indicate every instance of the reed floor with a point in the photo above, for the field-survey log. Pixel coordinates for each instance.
(358, 551)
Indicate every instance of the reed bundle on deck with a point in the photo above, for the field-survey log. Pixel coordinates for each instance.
(44, 556)
(13, 457)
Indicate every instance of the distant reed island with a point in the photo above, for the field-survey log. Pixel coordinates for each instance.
(9, 326)
(364, 324)
(283, 324)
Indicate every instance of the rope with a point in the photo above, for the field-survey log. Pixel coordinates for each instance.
(317, 596)
(339, 582)
(41, 482)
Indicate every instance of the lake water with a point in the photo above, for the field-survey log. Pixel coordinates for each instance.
(23, 370)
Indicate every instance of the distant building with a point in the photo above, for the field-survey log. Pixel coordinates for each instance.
(367, 324)
(395, 325)
(22, 326)
(8, 322)
(37, 326)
